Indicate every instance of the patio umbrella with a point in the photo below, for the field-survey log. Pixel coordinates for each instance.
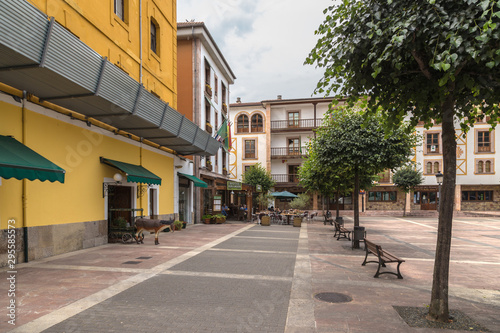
(283, 195)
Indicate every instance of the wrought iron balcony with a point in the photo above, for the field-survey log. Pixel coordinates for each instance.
(288, 152)
(295, 125)
(286, 178)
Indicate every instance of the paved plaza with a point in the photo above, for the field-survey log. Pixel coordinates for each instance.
(243, 277)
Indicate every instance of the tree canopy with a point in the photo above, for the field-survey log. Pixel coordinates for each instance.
(426, 60)
(406, 178)
(350, 149)
(258, 175)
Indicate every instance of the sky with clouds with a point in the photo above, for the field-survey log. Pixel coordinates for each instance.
(265, 43)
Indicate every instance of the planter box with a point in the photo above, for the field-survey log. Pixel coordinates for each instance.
(265, 221)
(297, 221)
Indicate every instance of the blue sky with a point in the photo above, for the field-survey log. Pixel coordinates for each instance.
(265, 43)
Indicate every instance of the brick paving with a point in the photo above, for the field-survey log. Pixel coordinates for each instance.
(239, 277)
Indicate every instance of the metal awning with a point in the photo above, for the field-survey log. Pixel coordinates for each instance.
(42, 57)
(20, 162)
(197, 181)
(135, 173)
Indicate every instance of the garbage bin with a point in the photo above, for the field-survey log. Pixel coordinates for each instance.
(358, 234)
(340, 220)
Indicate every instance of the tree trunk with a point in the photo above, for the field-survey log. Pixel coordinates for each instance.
(338, 205)
(356, 204)
(438, 310)
(404, 208)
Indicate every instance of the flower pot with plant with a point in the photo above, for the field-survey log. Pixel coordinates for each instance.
(219, 218)
(177, 225)
(206, 218)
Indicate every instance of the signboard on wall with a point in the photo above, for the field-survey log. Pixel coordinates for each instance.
(233, 186)
(217, 203)
(259, 188)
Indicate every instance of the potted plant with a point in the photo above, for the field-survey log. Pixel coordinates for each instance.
(120, 222)
(219, 218)
(265, 220)
(184, 224)
(297, 221)
(206, 218)
(209, 165)
(177, 225)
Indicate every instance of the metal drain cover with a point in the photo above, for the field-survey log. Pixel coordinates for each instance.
(131, 262)
(144, 258)
(333, 297)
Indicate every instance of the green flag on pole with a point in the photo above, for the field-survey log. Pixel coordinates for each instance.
(222, 136)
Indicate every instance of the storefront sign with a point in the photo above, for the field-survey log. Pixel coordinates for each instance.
(259, 188)
(233, 186)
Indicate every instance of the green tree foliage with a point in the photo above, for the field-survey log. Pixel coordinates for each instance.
(354, 148)
(258, 175)
(301, 202)
(420, 59)
(406, 178)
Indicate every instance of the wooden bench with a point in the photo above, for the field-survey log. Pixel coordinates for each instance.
(384, 257)
(340, 231)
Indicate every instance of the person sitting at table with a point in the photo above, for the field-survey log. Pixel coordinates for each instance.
(278, 210)
(271, 209)
(225, 210)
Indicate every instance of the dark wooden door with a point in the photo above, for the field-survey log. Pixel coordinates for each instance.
(120, 197)
(428, 200)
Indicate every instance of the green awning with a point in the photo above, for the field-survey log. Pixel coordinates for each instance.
(197, 181)
(20, 162)
(135, 173)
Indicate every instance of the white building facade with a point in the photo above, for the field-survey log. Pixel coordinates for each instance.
(275, 133)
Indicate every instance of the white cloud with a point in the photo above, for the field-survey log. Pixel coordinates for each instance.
(264, 41)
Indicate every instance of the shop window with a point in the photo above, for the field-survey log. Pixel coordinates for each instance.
(382, 196)
(477, 195)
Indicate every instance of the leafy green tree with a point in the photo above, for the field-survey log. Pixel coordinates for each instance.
(264, 199)
(406, 178)
(423, 60)
(301, 202)
(360, 148)
(258, 175)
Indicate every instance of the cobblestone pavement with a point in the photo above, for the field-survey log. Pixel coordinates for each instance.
(241, 277)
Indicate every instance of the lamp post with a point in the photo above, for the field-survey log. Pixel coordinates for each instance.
(439, 179)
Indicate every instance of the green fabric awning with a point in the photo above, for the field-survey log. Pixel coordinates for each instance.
(135, 173)
(197, 181)
(20, 162)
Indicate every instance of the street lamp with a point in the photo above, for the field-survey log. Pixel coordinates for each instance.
(439, 179)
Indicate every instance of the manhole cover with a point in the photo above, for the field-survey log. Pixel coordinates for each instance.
(132, 262)
(333, 297)
(144, 258)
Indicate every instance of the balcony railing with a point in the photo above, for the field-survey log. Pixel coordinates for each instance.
(295, 125)
(288, 152)
(286, 178)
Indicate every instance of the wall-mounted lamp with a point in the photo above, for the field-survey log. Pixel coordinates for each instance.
(118, 177)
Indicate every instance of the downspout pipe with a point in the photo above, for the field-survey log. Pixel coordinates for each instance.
(24, 189)
(140, 41)
(197, 119)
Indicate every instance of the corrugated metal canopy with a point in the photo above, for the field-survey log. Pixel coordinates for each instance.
(40, 56)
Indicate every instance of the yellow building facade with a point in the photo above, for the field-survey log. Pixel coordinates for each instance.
(120, 30)
(123, 123)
